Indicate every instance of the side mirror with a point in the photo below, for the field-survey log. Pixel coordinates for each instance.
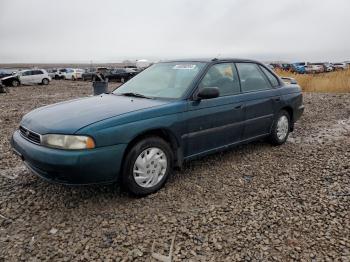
(207, 93)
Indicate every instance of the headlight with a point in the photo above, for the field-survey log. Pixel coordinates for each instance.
(68, 141)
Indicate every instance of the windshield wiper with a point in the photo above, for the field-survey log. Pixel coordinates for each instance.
(135, 95)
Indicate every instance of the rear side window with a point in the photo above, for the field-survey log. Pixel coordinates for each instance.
(37, 72)
(222, 76)
(273, 80)
(26, 73)
(252, 79)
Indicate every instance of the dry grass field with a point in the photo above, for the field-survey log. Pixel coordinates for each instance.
(334, 82)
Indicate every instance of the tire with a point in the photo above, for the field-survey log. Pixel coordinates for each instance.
(280, 129)
(45, 81)
(15, 83)
(148, 176)
(73, 78)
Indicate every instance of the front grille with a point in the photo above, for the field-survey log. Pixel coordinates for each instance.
(30, 135)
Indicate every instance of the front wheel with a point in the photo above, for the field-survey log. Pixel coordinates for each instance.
(15, 83)
(280, 129)
(45, 81)
(148, 165)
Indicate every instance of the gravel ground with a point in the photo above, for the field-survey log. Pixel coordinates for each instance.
(252, 203)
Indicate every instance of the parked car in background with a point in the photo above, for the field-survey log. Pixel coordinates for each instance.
(314, 68)
(301, 63)
(340, 66)
(170, 113)
(121, 74)
(61, 73)
(88, 74)
(286, 67)
(27, 77)
(327, 67)
(74, 73)
(276, 66)
(299, 69)
(52, 72)
(6, 72)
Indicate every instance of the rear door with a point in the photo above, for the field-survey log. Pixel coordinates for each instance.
(37, 76)
(217, 122)
(261, 99)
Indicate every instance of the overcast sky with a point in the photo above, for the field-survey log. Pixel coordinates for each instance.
(113, 30)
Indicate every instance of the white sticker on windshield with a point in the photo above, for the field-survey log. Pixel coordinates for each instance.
(189, 67)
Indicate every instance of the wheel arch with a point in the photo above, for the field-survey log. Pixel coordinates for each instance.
(165, 134)
(15, 79)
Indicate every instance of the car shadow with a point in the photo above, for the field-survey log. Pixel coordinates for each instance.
(70, 197)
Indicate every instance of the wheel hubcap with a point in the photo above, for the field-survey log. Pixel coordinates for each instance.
(282, 127)
(150, 167)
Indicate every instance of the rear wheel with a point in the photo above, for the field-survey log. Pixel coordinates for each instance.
(15, 83)
(148, 164)
(45, 81)
(280, 129)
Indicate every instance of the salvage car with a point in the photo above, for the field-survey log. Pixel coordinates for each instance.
(314, 68)
(6, 72)
(88, 74)
(27, 77)
(299, 69)
(121, 74)
(60, 73)
(74, 74)
(340, 66)
(171, 112)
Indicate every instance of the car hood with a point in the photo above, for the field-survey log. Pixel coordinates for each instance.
(8, 77)
(70, 116)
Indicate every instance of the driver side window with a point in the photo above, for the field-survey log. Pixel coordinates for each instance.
(224, 77)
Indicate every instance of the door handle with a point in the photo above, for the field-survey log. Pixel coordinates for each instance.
(277, 99)
(238, 107)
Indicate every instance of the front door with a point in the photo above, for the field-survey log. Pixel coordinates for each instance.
(217, 122)
(26, 77)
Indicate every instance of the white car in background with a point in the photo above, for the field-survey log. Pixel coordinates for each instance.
(340, 66)
(27, 77)
(52, 72)
(314, 68)
(60, 73)
(74, 73)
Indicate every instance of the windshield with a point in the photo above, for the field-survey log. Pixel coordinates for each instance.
(163, 80)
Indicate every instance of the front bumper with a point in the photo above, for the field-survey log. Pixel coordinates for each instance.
(78, 167)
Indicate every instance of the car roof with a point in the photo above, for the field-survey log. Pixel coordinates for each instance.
(209, 60)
